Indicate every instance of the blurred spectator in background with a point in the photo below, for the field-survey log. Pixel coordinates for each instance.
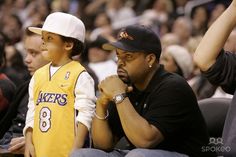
(178, 60)
(62, 5)
(140, 6)
(7, 87)
(12, 124)
(179, 7)
(191, 46)
(36, 12)
(15, 68)
(216, 12)
(117, 10)
(182, 27)
(193, 43)
(158, 13)
(199, 20)
(100, 61)
(83, 59)
(169, 39)
(95, 7)
(11, 26)
(102, 25)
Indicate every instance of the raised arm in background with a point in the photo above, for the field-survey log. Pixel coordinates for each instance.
(214, 39)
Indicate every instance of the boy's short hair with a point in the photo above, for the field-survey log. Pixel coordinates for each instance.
(78, 46)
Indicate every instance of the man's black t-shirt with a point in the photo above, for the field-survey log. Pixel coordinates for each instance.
(170, 105)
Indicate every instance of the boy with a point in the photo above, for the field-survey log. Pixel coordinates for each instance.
(58, 90)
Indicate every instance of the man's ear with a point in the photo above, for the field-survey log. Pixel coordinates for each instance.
(68, 46)
(151, 59)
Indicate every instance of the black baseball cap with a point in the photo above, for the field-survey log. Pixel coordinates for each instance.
(136, 38)
(98, 42)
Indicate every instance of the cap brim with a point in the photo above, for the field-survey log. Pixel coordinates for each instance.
(120, 45)
(36, 30)
(108, 47)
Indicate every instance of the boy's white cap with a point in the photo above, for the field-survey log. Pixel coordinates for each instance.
(63, 24)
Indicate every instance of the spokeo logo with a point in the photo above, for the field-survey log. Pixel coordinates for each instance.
(216, 145)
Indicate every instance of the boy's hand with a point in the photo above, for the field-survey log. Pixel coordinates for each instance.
(17, 145)
(29, 150)
(29, 147)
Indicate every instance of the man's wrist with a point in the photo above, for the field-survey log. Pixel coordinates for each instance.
(101, 109)
(104, 117)
(117, 92)
(101, 112)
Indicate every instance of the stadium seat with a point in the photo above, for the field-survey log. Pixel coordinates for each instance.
(214, 111)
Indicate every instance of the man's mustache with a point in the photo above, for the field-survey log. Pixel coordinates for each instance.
(120, 68)
(128, 81)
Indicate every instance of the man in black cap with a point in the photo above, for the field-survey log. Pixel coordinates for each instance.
(154, 110)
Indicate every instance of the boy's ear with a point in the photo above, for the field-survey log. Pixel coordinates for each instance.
(69, 46)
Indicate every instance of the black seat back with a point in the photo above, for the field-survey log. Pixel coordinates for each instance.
(214, 111)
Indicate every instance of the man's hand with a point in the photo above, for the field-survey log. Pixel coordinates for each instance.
(17, 145)
(112, 86)
(103, 101)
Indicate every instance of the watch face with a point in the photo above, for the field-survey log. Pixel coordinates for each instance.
(119, 98)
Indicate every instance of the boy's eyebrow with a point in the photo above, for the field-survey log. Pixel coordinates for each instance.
(48, 33)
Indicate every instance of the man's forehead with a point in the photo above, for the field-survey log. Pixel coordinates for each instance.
(123, 52)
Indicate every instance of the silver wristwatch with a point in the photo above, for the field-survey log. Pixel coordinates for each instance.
(119, 98)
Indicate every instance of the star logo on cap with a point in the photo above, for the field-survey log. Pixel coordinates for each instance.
(124, 35)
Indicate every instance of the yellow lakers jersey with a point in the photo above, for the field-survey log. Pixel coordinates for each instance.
(54, 119)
